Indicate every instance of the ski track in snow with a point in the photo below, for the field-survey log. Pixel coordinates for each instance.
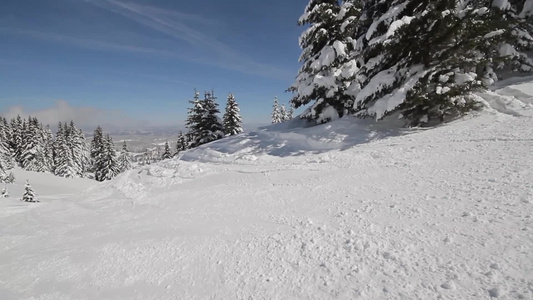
(283, 213)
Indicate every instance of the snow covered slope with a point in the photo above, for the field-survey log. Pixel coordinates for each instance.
(338, 211)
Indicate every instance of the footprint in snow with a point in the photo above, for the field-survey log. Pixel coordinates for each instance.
(450, 285)
(495, 292)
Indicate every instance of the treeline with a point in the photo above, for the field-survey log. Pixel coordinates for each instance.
(29, 144)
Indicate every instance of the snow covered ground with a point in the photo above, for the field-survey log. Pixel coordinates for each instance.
(346, 210)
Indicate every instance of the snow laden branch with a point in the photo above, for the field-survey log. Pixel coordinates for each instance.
(422, 62)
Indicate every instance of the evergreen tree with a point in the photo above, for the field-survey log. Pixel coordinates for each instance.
(290, 114)
(5, 156)
(232, 119)
(3, 174)
(182, 144)
(16, 137)
(421, 60)
(124, 160)
(4, 193)
(9, 178)
(64, 164)
(29, 194)
(33, 155)
(166, 152)
(518, 41)
(48, 139)
(75, 140)
(25, 138)
(283, 113)
(327, 66)
(203, 123)
(97, 146)
(277, 117)
(106, 166)
(194, 118)
(6, 162)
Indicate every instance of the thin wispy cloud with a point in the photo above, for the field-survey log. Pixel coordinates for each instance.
(231, 60)
(83, 42)
(155, 77)
(174, 25)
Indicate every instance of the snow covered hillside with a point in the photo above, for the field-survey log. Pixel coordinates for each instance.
(338, 211)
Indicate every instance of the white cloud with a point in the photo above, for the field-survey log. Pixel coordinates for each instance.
(86, 118)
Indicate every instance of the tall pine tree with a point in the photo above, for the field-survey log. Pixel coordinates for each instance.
(34, 147)
(105, 160)
(6, 162)
(420, 60)
(97, 146)
(232, 119)
(124, 160)
(277, 117)
(64, 164)
(16, 137)
(327, 67)
(203, 123)
(194, 118)
(182, 144)
(166, 152)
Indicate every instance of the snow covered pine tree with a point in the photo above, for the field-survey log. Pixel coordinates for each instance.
(124, 160)
(77, 144)
(290, 113)
(105, 164)
(5, 151)
(4, 193)
(182, 144)
(277, 117)
(203, 123)
(34, 147)
(64, 164)
(232, 119)
(327, 66)
(166, 152)
(29, 194)
(419, 60)
(16, 137)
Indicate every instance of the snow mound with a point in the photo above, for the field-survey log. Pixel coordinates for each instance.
(512, 96)
(138, 183)
(293, 138)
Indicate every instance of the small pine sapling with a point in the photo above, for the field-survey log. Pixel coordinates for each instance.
(29, 194)
(4, 193)
(166, 153)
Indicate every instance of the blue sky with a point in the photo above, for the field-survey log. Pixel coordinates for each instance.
(136, 62)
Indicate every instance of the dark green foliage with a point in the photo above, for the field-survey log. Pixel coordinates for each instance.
(422, 60)
(6, 161)
(232, 119)
(326, 45)
(124, 160)
(203, 123)
(166, 152)
(182, 144)
(16, 137)
(105, 165)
